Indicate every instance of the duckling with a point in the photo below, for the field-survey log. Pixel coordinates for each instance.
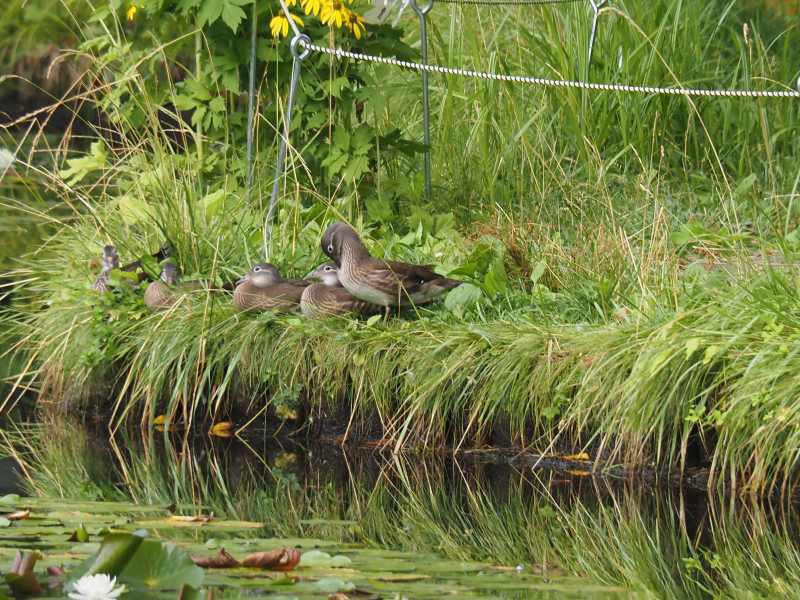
(164, 293)
(386, 283)
(263, 288)
(328, 297)
(110, 262)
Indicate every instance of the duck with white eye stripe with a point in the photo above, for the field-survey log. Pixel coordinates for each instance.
(326, 296)
(263, 288)
(387, 283)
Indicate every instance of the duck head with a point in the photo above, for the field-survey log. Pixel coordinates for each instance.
(327, 273)
(262, 275)
(170, 274)
(110, 258)
(336, 237)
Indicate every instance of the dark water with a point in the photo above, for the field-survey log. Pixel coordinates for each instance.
(572, 532)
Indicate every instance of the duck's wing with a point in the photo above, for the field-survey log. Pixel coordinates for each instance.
(337, 300)
(411, 277)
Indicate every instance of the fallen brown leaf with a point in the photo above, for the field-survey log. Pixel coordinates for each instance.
(222, 429)
(222, 560)
(283, 559)
(338, 596)
(19, 515)
(579, 456)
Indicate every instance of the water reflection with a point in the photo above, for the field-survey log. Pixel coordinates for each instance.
(662, 541)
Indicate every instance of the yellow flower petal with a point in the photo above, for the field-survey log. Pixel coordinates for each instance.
(131, 12)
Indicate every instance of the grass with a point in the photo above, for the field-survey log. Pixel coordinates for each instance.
(634, 315)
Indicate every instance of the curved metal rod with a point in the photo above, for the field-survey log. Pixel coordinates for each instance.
(301, 48)
(422, 12)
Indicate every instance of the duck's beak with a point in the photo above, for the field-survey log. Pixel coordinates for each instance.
(312, 274)
(241, 280)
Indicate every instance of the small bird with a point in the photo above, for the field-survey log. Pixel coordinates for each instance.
(263, 288)
(386, 283)
(164, 293)
(110, 262)
(327, 297)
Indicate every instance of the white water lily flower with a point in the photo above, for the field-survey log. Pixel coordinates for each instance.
(6, 159)
(96, 587)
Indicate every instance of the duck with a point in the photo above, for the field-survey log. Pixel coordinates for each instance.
(163, 293)
(386, 283)
(263, 288)
(326, 296)
(110, 262)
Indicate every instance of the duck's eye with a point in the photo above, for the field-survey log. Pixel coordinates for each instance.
(328, 269)
(256, 269)
(330, 247)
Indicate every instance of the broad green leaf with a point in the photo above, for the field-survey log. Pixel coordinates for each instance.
(9, 500)
(538, 270)
(115, 552)
(692, 344)
(160, 566)
(373, 320)
(320, 559)
(78, 168)
(232, 16)
(210, 11)
(462, 297)
(212, 203)
(132, 210)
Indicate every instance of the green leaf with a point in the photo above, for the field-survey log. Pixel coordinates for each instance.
(745, 185)
(320, 559)
(160, 566)
(356, 167)
(333, 585)
(462, 297)
(710, 353)
(217, 104)
(114, 553)
(4, 522)
(378, 209)
(370, 322)
(132, 210)
(78, 168)
(232, 15)
(496, 281)
(10, 500)
(538, 270)
(212, 203)
(210, 12)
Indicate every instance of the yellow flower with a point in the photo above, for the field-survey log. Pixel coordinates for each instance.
(279, 25)
(334, 13)
(312, 7)
(355, 23)
(131, 12)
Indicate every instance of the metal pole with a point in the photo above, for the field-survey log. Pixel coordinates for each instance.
(300, 50)
(251, 103)
(596, 6)
(422, 13)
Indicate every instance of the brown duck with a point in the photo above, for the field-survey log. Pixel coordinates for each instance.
(327, 297)
(163, 293)
(263, 288)
(110, 262)
(386, 283)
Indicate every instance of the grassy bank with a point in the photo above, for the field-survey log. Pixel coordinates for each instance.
(628, 258)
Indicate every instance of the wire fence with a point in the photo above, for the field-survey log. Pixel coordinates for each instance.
(555, 83)
(302, 47)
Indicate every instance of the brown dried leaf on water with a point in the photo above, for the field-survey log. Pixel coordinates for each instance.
(338, 596)
(19, 515)
(583, 456)
(283, 559)
(221, 429)
(20, 577)
(221, 560)
(579, 472)
(191, 518)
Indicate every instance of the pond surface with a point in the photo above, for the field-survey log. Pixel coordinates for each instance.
(375, 525)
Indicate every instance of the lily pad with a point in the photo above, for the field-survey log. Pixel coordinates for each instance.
(320, 559)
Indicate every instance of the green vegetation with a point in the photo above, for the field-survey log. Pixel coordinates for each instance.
(627, 258)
